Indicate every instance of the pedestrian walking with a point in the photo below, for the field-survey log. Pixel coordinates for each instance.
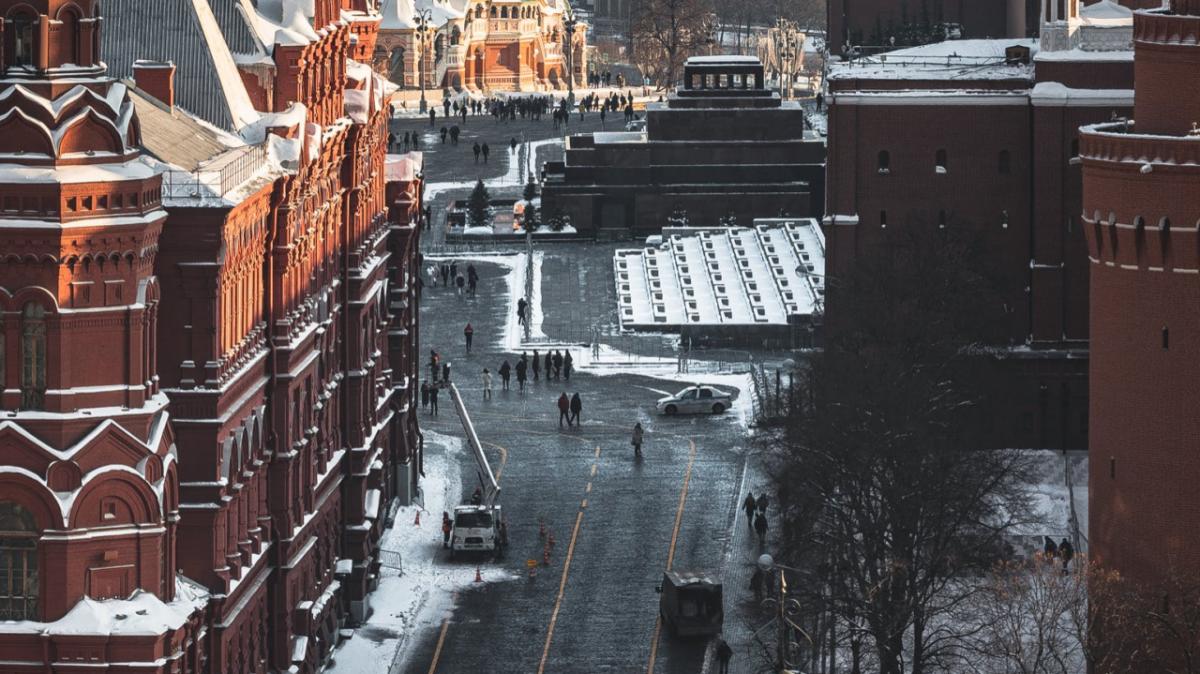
(471, 283)
(576, 408)
(1067, 551)
(567, 365)
(453, 269)
(468, 333)
(476, 150)
(521, 366)
(445, 274)
(424, 394)
(487, 384)
(521, 305)
(564, 409)
(443, 133)
(391, 141)
(434, 365)
(433, 275)
(760, 527)
(486, 152)
(637, 440)
(432, 117)
(446, 527)
(757, 582)
(433, 396)
(454, 134)
(750, 505)
(558, 361)
(548, 362)
(446, 372)
(724, 655)
(406, 141)
(1050, 549)
(762, 503)
(536, 363)
(505, 370)
(512, 144)
(460, 282)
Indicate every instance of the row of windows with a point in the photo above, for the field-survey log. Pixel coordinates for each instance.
(941, 219)
(85, 204)
(33, 356)
(941, 162)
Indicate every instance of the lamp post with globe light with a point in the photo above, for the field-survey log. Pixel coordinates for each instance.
(569, 24)
(784, 608)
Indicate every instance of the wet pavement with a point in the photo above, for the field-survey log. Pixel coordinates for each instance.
(618, 521)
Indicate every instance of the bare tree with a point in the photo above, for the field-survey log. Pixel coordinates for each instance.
(665, 32)
(884, 487)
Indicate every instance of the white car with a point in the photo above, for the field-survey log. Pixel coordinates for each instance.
(695, 399)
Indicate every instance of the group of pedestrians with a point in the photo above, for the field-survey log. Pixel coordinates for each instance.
(1064, 551)
(465, 284)
(569, 409)
(756, 515)
(556, 365)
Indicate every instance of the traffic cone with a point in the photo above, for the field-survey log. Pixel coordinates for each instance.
(417, 522)
(478, 577)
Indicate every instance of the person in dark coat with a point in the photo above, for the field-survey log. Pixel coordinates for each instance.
(434, 365)
(446, 372)
(425, 393)
(433, 396)
(638, 434)
(549, 363)
(536, 363)
(454, 133)
(567, 360)
(521, 365)
(445, 270)
(724, 654)
(416, 141)
(564, 409)
(558, 361)
(505, 370)
(750, 505)
(460, 283)
(576, 408)
(453, 270)
(444, 132)
(757, 581)
(1067, 551)
(468, 334)
(762, 503)
(486, 151)
(476, 150)
(432, 117)
(521, 305)
(760, 527)
(1050, 549)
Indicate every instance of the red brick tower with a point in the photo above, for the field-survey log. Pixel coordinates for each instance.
(1141, 201)
(88, 487)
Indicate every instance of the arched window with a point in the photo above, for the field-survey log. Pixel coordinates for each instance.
(18, 563)
(396, 65)
(493, 11)
(1004, 162)
(455, 36)
(33, 356)
(22, 29)
(69, 36)
(885, 161)
(503, 12)
(940, 161)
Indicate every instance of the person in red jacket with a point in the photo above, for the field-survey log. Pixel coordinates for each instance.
(564, 409)
(446, 526)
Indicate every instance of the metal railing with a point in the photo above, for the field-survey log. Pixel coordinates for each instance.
(218, 176)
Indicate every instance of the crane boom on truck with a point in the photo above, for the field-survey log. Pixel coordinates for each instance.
(477, 526)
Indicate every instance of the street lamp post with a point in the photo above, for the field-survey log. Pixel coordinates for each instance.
(569, 24)
(786, 607)
(424, 20)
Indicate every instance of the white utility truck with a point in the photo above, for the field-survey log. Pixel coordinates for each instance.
(478, 526)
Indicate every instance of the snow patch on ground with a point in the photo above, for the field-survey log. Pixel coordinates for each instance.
(418, 595)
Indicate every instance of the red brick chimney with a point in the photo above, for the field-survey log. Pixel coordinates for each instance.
(156, 78)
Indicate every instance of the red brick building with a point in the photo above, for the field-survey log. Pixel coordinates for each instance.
(982, 135)
(242, 204)
(1141, 201)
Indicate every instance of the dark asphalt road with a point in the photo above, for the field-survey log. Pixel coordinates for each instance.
(604, 620)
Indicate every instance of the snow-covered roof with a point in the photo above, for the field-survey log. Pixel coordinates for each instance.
(403, 167)
(187, 33)
(948, 60)
(398, 15)
(1106, 13)
(723, 275)
(1055, 93)
(141, 614)
(286, 22)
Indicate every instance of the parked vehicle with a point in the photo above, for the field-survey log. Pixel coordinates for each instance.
(691, 603)
(695, 400)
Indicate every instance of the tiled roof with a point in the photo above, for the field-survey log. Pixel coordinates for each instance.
(173, 136)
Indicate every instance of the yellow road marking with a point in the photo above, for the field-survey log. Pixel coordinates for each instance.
(562, 586)
(437, 651)
(595, 467)
(589, 488)
(583, 504)
(597, 452)
(687, 478)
